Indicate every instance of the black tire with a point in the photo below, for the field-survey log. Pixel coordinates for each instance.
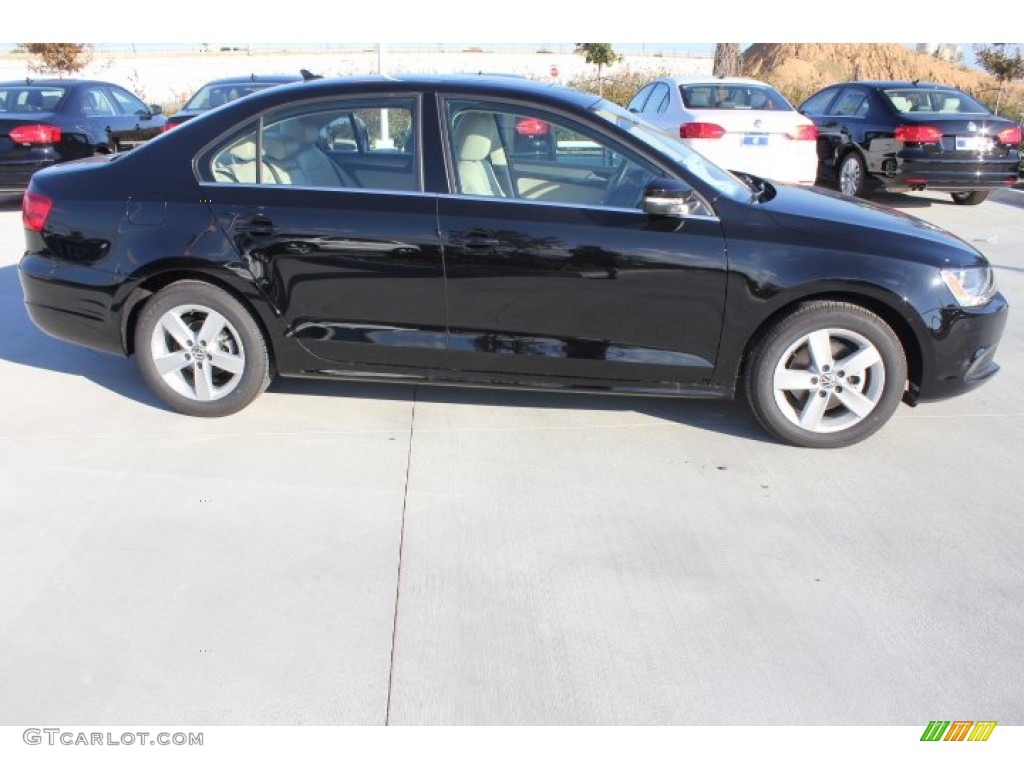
(975, 197)
(199, 376)
(852, 176)
(816, 402)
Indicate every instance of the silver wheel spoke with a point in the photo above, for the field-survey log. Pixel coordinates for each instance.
(212, 327)
(855, 401)
(171, 363)
(204, 382)
(791, 380)
(813, 412)
(224, 361)
(820, 344)
(173, 324)
(855, 364)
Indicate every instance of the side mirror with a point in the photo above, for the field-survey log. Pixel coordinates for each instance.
(156, 109)
(668, 197)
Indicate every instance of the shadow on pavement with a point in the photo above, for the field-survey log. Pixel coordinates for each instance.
(24, 344)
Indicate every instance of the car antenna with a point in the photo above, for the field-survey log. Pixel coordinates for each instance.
(915, 82)
(307, 75)
(28, 81)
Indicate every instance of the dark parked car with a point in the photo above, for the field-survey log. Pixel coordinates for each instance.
(894, 135)
(252, 243)
(43, 122)
(218, 92)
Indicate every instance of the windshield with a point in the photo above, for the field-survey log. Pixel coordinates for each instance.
(694, 162)
(22, 99)
(210, 96)
(949, 102)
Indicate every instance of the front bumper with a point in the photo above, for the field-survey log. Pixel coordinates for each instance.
(964, 343)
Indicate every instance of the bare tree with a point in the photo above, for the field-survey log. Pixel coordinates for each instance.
(728, 60)
(62, 58)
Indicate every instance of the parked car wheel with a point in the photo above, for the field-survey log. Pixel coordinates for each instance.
(977, 197)
(827, 375)
(200, 351)
(853, 177)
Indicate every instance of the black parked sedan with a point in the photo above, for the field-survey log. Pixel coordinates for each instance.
(43, 122)
(219, 92)
(263, 239)
(912, 135)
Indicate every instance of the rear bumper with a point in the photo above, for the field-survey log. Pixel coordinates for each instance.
(15, 175)
(72, 302)
(951, 175)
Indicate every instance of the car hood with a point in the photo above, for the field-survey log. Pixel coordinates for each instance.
(831, 217)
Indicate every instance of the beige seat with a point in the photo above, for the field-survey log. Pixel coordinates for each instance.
(902, 103)
(951, 104)
(291, 152)
(237, 164)
(476, 138)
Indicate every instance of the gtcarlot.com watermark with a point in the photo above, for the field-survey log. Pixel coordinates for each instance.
(54, 736)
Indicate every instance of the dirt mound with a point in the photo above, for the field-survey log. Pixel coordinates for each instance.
(800, 69)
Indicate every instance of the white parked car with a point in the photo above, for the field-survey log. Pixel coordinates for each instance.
(737, 123)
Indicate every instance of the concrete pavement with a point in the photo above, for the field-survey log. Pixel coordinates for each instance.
(341, 554)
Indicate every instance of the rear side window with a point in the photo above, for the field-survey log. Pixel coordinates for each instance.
(853, 103)
(340, 145)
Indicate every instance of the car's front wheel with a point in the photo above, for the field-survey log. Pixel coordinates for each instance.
(827, 375)
(200, 351)
(853, 176)
(974, 197)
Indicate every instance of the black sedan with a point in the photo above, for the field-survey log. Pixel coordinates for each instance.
(382, 229)
(219, 92)
(894, 135)
(43, 122)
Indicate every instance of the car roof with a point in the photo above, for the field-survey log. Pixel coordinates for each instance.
(254, 78)
(898, 84)
(712, 80)
(495, 84)
(51, 81)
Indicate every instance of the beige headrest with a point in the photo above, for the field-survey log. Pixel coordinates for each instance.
(476, 136)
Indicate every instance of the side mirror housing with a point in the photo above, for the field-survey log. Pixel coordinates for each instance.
(668, 197)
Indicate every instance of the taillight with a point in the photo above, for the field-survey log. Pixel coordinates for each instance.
(918, 134)
(168, 125)
(34, 210)
(701, 131)
(1010, 135)
(35, 134)
(530, 126)
(803, 133)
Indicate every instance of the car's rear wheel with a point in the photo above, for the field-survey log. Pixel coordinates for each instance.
(827, 375)
(853, 177)
(200, 350)
(974, 197)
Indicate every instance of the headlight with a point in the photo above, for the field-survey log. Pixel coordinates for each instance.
(970, 286)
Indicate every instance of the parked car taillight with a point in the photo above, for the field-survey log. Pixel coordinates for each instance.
(34, 210)
(35, 134)
(1010, 135)
(529, 126)
(701, 131)
(168, 125)
(803, 133)
(918, 134)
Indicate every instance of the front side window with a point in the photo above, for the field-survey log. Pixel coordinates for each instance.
(333, 145)
(130, 105)
(512, 152)
(96, 103)
(818, 103)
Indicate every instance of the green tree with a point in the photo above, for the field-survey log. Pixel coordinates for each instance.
(601, 54)
(1004, 62)
(62, 58)
(728, 60)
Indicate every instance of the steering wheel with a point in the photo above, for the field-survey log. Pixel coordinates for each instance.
(626, 185)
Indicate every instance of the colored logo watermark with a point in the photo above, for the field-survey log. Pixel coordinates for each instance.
(958, 730)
